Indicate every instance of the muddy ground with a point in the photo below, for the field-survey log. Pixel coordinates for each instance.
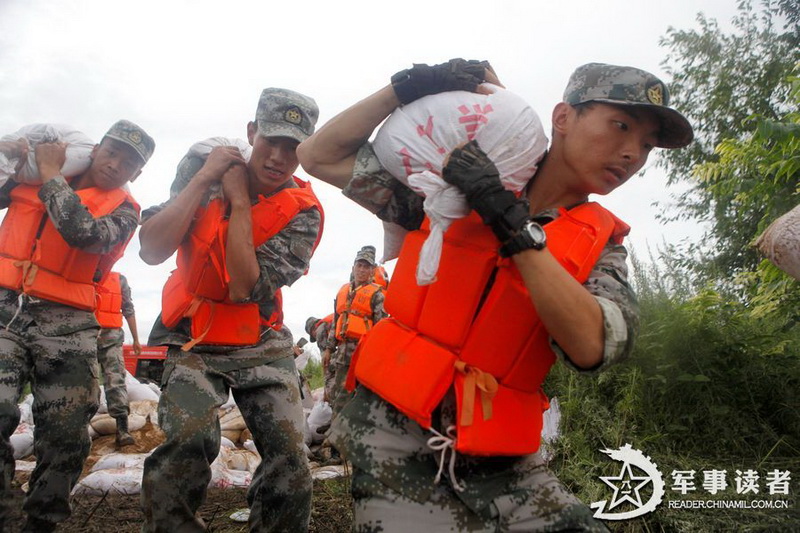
(121, 514)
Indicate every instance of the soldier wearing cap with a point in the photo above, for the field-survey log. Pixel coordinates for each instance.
(57, 240)
(357, 308)
(242, 230)
(443, 429)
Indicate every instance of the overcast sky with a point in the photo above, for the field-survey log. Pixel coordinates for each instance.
(188, 70)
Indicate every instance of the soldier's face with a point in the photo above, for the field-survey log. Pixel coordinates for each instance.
(362, 271)
(114, 164)
(272, 162)
(606, 144)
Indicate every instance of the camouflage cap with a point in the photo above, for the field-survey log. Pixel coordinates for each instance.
(367, 253)
(620, 85)
(285, 113)
(310, 325)
(129, 133)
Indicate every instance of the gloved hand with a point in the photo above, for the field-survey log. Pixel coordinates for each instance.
(422, 80)
(471, 170)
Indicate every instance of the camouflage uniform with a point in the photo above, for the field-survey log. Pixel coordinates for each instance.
(112, 364)
(394, 468)
(54, 347)
(319, 334)
(263, 379)
(342, 353)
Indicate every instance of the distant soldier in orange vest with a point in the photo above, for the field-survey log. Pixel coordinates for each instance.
(114, 303)
(57, 240)
(523, 281)
(357, 308)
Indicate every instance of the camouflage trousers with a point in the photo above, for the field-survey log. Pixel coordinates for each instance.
(341, 366)
(112, 366)
(177, 473)
(330, 381)
(395, 486)
(63, 373)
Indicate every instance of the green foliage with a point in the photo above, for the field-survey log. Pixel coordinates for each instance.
(710, 385)
(737, 92)
(313, 373)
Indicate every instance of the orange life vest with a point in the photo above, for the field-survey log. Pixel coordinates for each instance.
(198, 288)
(109, 302)
(381, 277)
(477, 328)
(354, 311)
(36, 260)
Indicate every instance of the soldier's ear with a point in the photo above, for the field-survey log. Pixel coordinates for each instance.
(252, 131)
(561, 117)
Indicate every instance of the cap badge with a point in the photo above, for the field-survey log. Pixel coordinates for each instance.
(135, 137)
(656, 94)
(293, 116)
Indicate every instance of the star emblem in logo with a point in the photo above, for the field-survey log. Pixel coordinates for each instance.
(625, 485)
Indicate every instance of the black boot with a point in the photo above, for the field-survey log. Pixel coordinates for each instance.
(37, 525)
(123, 437)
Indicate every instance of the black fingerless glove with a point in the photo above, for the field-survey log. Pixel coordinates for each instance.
(422, 80)
(471, 170)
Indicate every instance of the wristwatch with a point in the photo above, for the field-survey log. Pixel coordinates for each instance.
(530, 236)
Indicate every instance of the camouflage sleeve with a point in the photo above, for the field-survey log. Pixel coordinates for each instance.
(127, 301)
(322, 335)
(286, 256)
(608, 283)
(78, 227)
(332, 342)
(187, 168)
(377, 306)
(375, 189)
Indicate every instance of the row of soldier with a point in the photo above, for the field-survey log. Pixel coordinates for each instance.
(465, 381)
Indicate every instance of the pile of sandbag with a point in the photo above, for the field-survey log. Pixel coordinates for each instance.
(415, 140)
(78, 155)
(780, 243)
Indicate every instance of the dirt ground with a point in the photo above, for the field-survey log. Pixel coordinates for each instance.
(121, 514)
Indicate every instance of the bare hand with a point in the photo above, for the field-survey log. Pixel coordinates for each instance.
(326, 359)
(490, 77)
(235, 185)
(137, 348)
(219, 161)
(297, 350)
(50, 157)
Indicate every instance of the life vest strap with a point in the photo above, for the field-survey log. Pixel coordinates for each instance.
(486, 383)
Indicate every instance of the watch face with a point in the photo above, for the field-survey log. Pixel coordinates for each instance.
(537, 233)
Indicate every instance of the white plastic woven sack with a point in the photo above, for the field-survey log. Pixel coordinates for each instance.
(415, 140)
(319, 416)
(78, 156)
(203, 148)
(780, 242)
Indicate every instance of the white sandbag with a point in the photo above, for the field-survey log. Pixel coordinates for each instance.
(120, 460)
(239, 459)
(226, 443)
(550, 428)
(250, 445)
(144, 408)
(105, 425)
(415, 140)
(22, 443)
(26, 411)
(232, 421)
(319, 416)
(24, 466)
(203, 148)
(155, 388)
(780, 242)
(103, 408)
(78, 153)
(327, 472)
(111, 481)
(224, 478)
(137, 390)
(230, 404)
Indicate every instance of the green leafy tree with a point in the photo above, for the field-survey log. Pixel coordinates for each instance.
(733, 88)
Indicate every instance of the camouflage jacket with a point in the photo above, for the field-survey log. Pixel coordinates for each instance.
(282, 259)
(378, 191)
(127, 301)
(77, 226)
